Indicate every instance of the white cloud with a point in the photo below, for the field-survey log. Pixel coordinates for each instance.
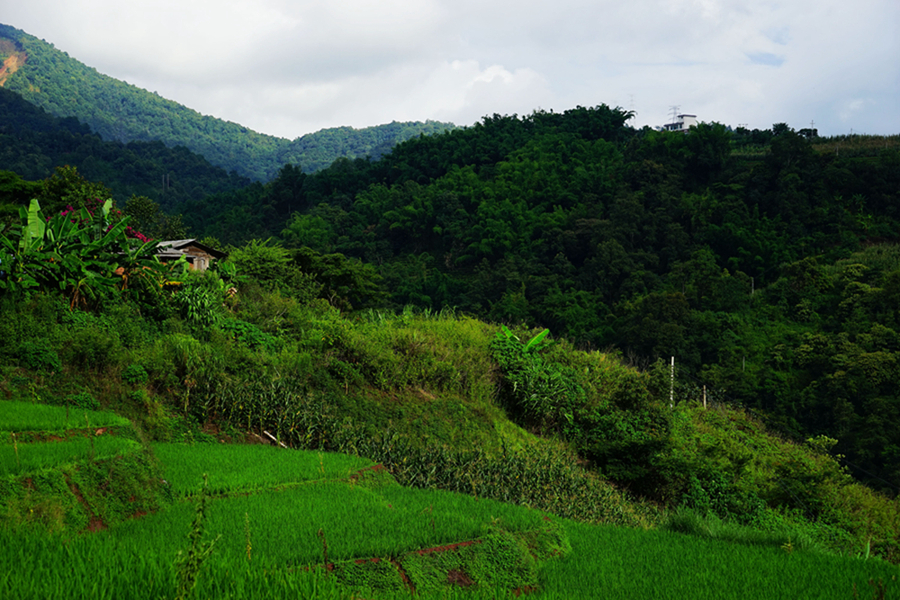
(288, 67)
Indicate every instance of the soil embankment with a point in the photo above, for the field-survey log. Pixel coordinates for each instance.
(11, 65)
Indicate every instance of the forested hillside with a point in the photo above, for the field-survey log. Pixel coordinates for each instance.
(33, 143)
(64, 87)
(765, 262)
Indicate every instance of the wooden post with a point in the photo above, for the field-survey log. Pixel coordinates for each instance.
(704, 396)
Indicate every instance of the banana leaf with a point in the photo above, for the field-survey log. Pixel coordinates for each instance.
(33, 232)
(533, 342)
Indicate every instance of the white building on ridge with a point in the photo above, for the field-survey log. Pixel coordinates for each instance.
(681, 123)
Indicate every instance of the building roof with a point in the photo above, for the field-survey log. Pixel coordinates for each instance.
(176, 248)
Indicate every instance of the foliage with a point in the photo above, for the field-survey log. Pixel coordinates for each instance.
(429, 394)
(135, 374)
(152, 222)
(36, 355)
(28, 416)
(653, 244)
(250, 467)
(727, 249)
(200, 298)
(76, 252)
(604, 410)
(36, 143)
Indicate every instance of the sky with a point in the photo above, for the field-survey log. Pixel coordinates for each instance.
(291, 67)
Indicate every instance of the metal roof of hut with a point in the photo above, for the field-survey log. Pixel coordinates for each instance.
(197, 254)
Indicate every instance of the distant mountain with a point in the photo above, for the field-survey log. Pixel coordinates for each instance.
(33, 143)
(118, 111)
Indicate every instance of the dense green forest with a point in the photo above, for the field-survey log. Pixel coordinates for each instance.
(34, 143)
(117, 111)
(765, 262)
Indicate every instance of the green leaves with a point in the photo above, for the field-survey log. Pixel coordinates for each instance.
(34, 229)
(533, 344)
(74, 252)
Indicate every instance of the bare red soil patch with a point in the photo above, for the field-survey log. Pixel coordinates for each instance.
(11, 65)
(459, 577)
(525, 589)
(362, 472)
(31, 437)
(95, 523)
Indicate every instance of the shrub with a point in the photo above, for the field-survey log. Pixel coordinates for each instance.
(135, 375)
(605, 409)
(199, 304)
(92, 348)
(84, 400)
(251, 335)
(37, 356)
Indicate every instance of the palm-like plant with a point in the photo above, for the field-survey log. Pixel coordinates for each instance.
(78, 252)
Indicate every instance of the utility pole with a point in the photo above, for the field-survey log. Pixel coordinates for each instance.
(672, 385)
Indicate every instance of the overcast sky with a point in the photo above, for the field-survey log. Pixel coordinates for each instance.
(291, 67)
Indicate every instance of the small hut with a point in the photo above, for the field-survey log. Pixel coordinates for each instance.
(198, 255)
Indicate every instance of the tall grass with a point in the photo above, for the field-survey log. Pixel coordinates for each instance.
(542, 476)
(605, 562)
(710, 526)
(39, 566)
(358, 522)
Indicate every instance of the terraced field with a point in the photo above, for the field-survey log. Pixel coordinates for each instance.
(91, 513)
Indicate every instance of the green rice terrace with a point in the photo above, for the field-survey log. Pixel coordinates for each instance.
(90, 513)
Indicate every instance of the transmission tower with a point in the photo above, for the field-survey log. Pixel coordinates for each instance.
(674, 110)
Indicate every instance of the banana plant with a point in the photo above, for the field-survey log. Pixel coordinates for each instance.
(77, 253)
(533, 345)
(33, 232)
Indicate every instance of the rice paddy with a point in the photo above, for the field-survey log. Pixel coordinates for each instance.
(16, 459)
(615, 562)
(27, 417)
(244, 467)
(287, 524)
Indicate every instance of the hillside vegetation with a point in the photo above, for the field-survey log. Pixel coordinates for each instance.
(501, 441)
(117, 111)
(33, 144)
(770, 276)
(254, 521)
(433, 316)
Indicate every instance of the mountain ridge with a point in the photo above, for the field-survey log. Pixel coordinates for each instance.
(119, 111)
